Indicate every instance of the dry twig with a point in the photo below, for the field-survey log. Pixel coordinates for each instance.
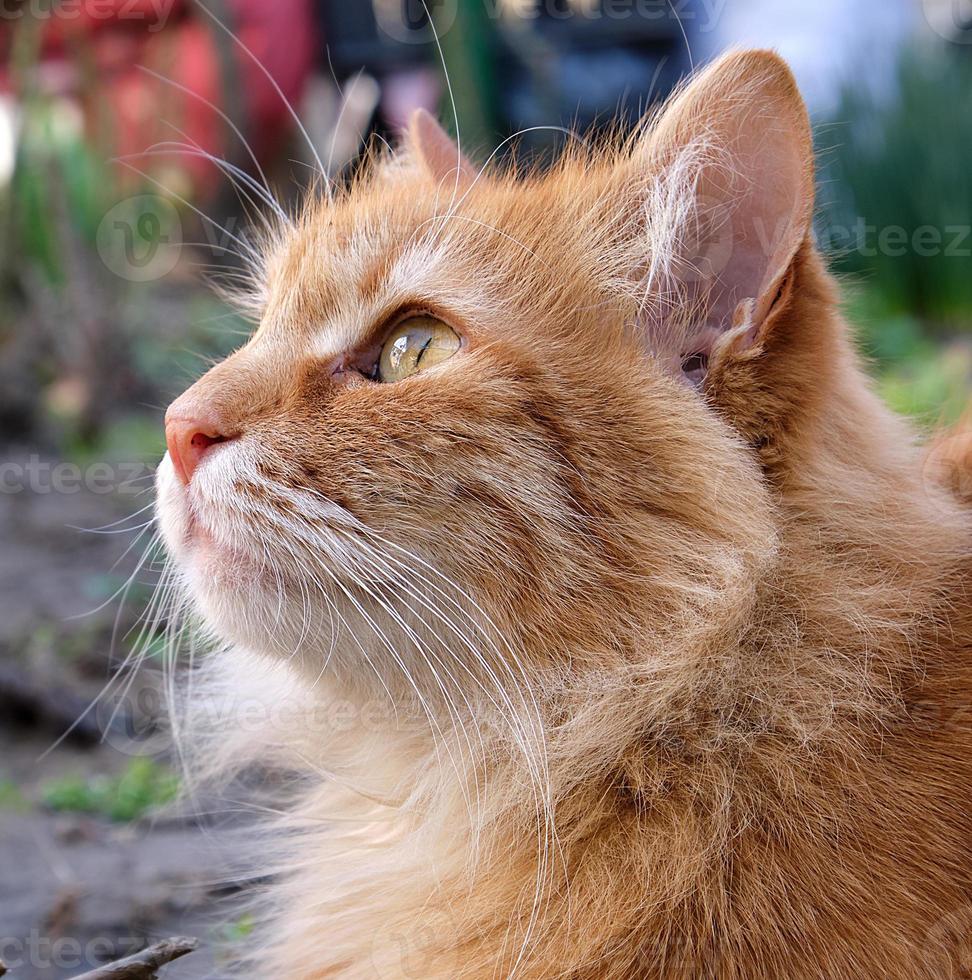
(144, 965)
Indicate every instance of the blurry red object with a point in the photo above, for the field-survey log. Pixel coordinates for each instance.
(93, 50)
(69, 20)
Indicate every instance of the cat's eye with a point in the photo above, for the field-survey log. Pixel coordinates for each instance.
(416, 344)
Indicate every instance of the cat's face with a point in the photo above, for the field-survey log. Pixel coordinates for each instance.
(450, 399)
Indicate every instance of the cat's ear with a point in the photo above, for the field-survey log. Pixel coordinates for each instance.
(436, 151)
(729, 182)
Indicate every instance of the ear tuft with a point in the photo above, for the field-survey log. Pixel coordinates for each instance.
(736, 145)
(436, 151)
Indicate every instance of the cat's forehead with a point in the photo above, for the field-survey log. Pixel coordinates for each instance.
(347, 265)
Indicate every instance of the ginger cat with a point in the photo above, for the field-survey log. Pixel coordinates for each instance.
(606, 622)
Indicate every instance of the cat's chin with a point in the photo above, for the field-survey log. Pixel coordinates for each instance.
(211, 564)
(240, 602)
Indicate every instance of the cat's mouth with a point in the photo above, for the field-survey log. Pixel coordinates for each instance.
(200, 541)
(191, 538)
(239, 577)
(237, 540)
(208, 549)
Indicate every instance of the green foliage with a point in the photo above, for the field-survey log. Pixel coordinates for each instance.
(896, 195)
(142, 786)
(896, 171)
(56, 181)
(11, 798)
(917, 375)
(239, 929)
(932, 391)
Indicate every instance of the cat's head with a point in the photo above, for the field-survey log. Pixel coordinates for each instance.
(500, 391)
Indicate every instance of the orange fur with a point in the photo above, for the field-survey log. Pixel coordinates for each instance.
(639, 678)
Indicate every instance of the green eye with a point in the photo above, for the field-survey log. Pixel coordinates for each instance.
(417, 343)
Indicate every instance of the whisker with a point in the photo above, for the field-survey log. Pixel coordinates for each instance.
(239, 241)
(121, 520)
(267, 74)
(234, 173)
(452, 96)
(96, 700)
(224, 116)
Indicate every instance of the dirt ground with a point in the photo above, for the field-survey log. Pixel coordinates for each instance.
(79, 888)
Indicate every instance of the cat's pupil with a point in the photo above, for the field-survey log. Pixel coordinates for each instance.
(425, 347)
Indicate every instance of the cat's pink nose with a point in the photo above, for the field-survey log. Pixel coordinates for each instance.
(188, 439)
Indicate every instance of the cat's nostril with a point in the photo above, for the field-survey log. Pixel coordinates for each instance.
(188, 440)
(201, 442)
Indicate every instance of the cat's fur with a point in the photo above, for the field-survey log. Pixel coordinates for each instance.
(583, 670)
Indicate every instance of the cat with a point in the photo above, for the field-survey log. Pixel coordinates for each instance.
(552, 541)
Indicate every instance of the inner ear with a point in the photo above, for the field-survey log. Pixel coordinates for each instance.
(729, 165)
(436, 152)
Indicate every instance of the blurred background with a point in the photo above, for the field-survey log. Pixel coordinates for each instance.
(137, 140)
